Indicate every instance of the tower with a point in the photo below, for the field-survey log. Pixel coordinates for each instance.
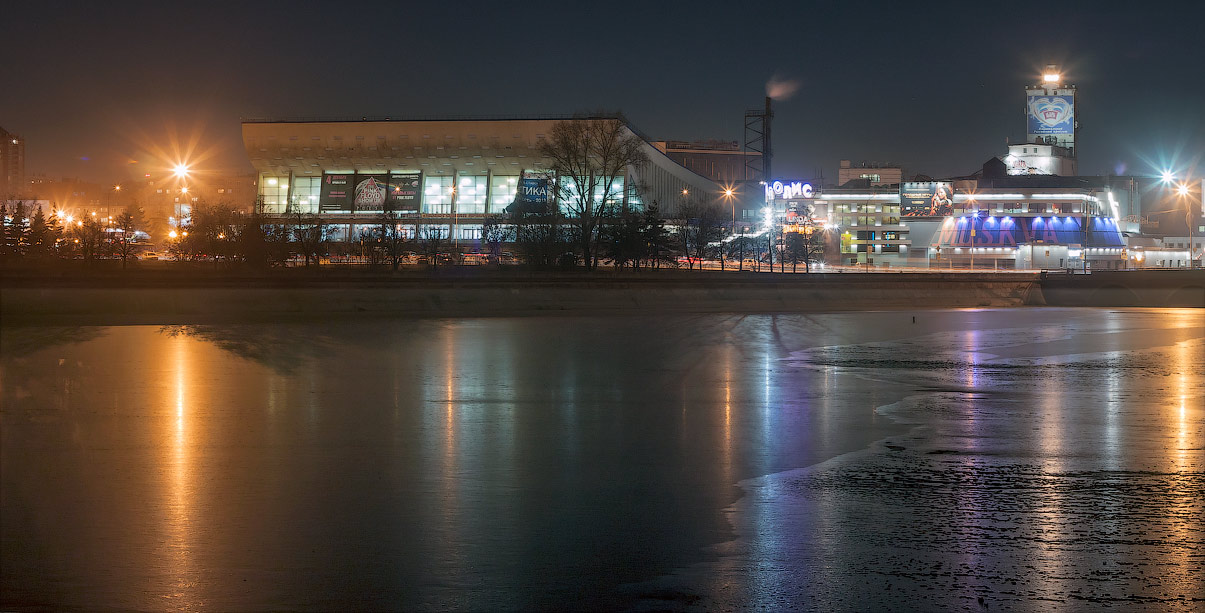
(1051, 124)
(757, 140)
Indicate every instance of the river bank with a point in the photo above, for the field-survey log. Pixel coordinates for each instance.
(165, 299)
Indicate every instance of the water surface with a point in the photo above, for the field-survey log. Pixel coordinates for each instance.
(713, 461)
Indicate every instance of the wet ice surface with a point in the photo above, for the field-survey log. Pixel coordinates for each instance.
(1034, 459)
(1062, 470)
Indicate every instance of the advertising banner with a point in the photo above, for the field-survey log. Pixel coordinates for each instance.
(927, 199)
(1051, 114)
(537, 190)
(1009, 232)
(370, 193)
(405, 191)
(336, 192)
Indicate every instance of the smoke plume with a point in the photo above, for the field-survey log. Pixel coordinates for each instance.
(781, 89)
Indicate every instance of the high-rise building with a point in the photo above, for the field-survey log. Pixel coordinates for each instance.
(12, 165)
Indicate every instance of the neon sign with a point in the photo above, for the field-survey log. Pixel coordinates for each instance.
(779, 190)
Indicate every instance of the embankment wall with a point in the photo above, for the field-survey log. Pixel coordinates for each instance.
(83, 304)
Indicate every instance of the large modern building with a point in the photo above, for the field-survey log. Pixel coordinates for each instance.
(445, 175)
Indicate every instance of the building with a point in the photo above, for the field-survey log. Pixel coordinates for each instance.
(444, 175)
(721, 161)
(1051, 123)
(12, 165)
(879, 175)
(991, 220)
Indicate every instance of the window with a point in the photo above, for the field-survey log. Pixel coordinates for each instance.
(305, 194)
(437, 195)
(470, 195)
(502, 192)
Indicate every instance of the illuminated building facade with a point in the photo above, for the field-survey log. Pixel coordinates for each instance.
(1051, 124)
(992, 223)
(443, 175)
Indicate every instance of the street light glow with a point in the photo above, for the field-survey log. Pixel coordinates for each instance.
(171, 234)
(181, 170)
(1167, 176)
(1182, 189)
(1051, 77)
(184, 190)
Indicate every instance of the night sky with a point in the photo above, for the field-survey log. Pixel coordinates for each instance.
(106, 91)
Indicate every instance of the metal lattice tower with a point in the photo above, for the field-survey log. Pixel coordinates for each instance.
(757, 140)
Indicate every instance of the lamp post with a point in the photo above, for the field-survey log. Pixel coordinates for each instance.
(728, 194)
(1182, 192)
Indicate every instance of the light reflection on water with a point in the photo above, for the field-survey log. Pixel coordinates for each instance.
(544, 463)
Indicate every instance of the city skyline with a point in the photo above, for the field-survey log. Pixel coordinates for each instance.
(938, 105)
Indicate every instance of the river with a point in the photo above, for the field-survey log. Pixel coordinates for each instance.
(1017, 458)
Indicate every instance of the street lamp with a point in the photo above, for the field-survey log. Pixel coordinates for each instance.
(1182, 191)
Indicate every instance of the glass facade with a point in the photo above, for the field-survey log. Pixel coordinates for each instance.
(274, 192)
(471, 192)
(570, 191)
(437, 195)
(502, 192)
(304, 196)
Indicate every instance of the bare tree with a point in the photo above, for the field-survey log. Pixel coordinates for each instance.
(493, 234)
(309, 235)
(89, 238)
(123, 237)
(391, 238)
(589, 156)
(701, 229)
(434, 241)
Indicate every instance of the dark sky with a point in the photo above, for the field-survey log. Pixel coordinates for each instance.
(95, 87)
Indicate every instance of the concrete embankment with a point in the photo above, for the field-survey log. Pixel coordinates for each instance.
(182, 300)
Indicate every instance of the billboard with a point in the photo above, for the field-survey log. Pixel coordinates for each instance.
(1051, 114)
(369, 193)
(927, 199)
(535, 190)
(405, 191)
(336, 192)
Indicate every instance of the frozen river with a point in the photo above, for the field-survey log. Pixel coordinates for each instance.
(1028, 459)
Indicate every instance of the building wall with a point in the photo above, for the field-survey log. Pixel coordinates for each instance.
(878, 174)
(483, 159)
(12, 165)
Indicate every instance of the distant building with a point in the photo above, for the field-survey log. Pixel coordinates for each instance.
(720, 161)
(878, 175)
(1051, 124)
(12, 165)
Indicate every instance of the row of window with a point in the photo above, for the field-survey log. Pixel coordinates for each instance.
(470, 193)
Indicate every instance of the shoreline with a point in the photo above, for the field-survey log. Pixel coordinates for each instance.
(143, 300)
(78, 297)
